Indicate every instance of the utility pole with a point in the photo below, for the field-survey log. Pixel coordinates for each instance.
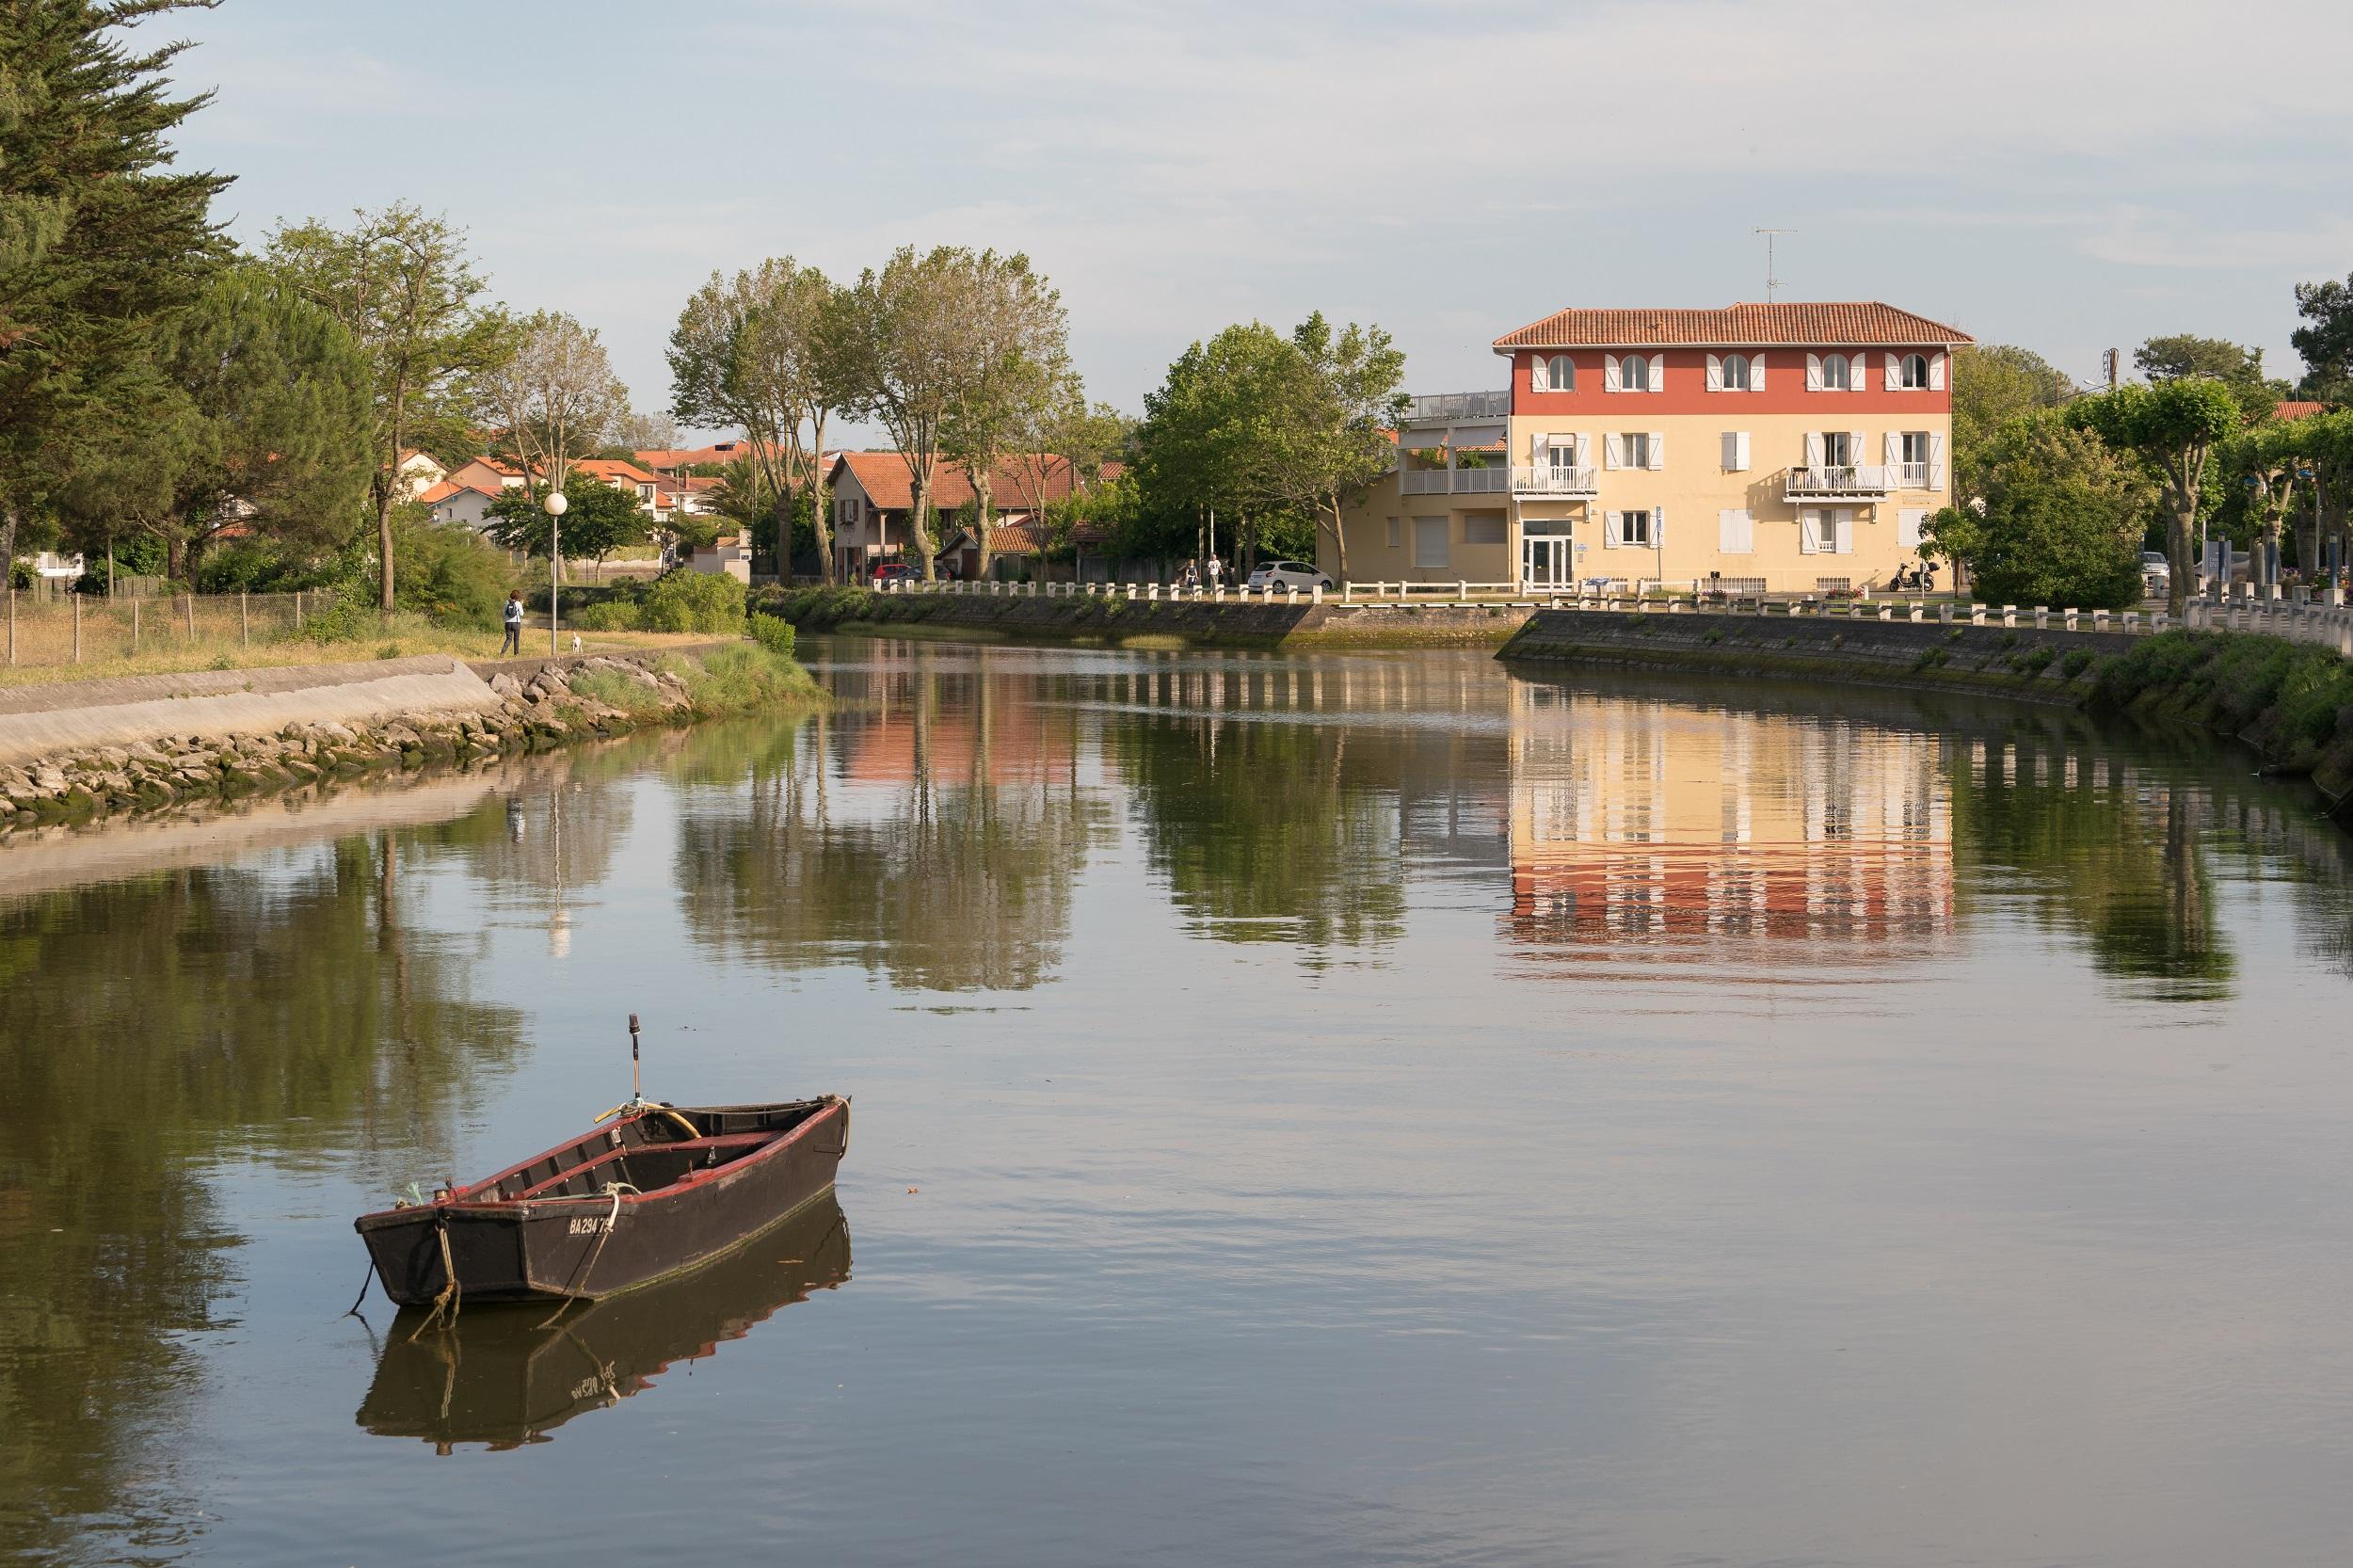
(1771, 281)
(2110, 363)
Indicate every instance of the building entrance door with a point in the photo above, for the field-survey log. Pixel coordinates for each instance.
(1545, 564)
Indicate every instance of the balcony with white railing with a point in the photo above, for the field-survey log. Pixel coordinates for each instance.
(1913, 476)
(1457, 407)
(1851, 480)
(1452, 481)
(1574, 482)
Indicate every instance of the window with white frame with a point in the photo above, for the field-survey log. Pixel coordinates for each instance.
(1635, 445)
(1735, 373)
(1838, 449)
(1561, 373)
(1837, 376)
(1634, 528)
(1736, 451)
(1915, 460)
(1430, 542)
(1634, 373)
(1915, 372)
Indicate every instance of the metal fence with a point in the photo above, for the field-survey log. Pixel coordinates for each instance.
(75, 628)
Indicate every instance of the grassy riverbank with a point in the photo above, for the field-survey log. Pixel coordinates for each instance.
(2291, 701)
(1109, 621)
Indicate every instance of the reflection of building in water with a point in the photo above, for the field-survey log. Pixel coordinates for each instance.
(1634, 819)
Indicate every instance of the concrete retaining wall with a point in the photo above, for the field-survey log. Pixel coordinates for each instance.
(43, 721)
(1086, 619)
(2018, 662)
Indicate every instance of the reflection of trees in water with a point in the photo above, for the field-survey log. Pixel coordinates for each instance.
(2112, 855)
(157, 1025)
(942, 854)
(1270, 829)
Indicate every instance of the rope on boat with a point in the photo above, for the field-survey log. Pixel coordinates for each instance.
(589, 1267)
(642, 1106)
(365, 1280)
(452, 1292)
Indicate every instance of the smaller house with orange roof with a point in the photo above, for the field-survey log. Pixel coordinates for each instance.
(873, 496)
(419, 472)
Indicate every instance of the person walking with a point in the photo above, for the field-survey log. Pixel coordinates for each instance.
(1216, 570)
(514, 643)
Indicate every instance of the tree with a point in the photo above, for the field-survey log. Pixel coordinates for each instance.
(761, 352)
(1214, 433)
(1992, 384)
(277, 401)
(2173, 426)
(1343, 438)
(556, 394)
(2185, 355)
(2062, 523)
(640, 432)
(598, 518)
(402, 285)
(2326, 339)
(1016, 370)
(99, 245)
(903, 361)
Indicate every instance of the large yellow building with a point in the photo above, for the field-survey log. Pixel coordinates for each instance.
(1782, 448)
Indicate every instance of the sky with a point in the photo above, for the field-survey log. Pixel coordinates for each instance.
(2070, 176)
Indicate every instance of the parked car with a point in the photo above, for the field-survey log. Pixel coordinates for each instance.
(895, 571)
(1286, 574)
(2155, 569)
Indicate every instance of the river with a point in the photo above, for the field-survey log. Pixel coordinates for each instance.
(1310, 1110)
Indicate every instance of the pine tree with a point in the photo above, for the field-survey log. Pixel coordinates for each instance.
(101, 241)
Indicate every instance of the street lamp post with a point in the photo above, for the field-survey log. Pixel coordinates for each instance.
(556, 505)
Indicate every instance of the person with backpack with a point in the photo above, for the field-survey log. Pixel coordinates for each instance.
(514, 643)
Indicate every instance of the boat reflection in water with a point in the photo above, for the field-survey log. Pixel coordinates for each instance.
(506, 1375)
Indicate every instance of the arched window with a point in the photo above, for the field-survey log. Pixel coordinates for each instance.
(1735, 373)
(1915, 369)
(1561, 373)
(1634, 373)
(1835, 372)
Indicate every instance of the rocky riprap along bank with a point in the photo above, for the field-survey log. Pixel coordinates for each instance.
(540, 709)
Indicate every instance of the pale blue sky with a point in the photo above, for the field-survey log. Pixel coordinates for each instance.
(1451, 171)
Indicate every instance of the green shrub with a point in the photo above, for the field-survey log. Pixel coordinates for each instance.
(2077, 661)
(346, 619)
(615, 690)
(611, 616)
(772, 633)
(1930, 658)
(694, 601)
(2036, 661)
(448, 575)
(739, 679)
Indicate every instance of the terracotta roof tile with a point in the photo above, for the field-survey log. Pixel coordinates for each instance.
(1021, 481)
(1736, 326)
(2296, 408)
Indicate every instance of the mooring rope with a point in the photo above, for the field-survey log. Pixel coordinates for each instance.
(451, 1294)
(589, 1267)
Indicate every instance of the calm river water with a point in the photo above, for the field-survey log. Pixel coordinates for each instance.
(1311, 1109)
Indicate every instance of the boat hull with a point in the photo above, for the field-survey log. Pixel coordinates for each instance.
(583, 1248)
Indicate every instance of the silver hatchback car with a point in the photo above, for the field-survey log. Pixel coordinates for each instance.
(1286, 574)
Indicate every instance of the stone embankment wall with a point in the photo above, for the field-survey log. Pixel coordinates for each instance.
(135, 744)
(2038, 664)
(1106, 620)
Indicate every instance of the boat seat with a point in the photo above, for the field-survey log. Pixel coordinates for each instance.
(685, 1145)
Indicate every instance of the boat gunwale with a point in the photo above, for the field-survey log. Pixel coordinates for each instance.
(521, 1209)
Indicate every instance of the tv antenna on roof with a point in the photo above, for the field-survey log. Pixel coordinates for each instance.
(1771, 282)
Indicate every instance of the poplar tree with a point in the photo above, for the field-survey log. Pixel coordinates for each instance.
(102, 243)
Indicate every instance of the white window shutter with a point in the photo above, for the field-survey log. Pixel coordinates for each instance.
(1609, 526)
(1657, 448)
(1539, 451)
(1936, 373)
(1807, 541)
(1908, 527)
(1584, 452)
(1732, 451)
(1936, 460)
(1740, 450)
(1756, 372)
(1892, 448)
(1658, 373)
(1613, 450)
(1846, 532)
(1814, 449)
(1814, 373)
(1610, 381)
(1894, 372)
(1536, 381)
(1854, 446)
(1715, 373)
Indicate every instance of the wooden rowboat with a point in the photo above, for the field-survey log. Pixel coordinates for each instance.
(509, 1375)
(658, 1191)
